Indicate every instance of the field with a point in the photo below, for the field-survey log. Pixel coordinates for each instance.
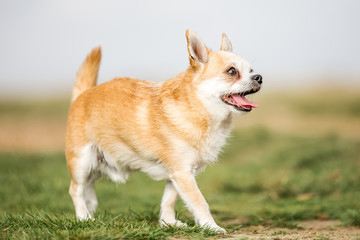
(291, 170)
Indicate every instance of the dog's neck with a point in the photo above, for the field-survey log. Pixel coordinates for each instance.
(185, 102)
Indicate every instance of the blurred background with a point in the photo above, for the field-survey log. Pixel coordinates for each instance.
(302, 144)
(301, 47)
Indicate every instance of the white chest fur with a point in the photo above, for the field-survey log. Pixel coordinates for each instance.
(213, 143)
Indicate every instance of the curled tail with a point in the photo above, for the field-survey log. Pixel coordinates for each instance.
(87, 75)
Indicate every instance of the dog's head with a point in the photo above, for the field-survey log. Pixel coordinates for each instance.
(222, 79)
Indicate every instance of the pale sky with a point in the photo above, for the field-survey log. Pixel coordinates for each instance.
(43, 43)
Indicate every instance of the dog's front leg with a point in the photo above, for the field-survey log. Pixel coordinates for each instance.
(185, 184)
(167, 211)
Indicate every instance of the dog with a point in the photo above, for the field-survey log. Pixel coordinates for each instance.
(170, 131)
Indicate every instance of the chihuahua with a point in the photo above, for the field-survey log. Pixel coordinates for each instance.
(170, 130)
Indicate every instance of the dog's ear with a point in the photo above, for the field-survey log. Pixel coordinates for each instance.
(225, 43)
(198, 52)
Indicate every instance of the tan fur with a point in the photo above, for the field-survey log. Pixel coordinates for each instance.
(87, 74)
(158, 124)
(125, 99)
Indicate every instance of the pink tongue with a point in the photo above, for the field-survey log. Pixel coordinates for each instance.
(242, 101)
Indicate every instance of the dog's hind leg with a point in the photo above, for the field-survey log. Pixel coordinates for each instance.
(82, 183)
(90, 195)
(77, 193)
(167, 211)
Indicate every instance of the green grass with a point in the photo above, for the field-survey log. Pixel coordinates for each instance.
(54, 108)
(326, 102)
(43, 225)
(262, 178)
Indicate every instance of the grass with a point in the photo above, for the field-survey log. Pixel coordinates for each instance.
(263, 177)
(275, 185)
(43, 225)
(54, 108)
(35, 204)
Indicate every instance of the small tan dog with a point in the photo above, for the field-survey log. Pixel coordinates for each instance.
(171, 130)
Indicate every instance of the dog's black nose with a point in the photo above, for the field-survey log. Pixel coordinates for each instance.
(257, 78)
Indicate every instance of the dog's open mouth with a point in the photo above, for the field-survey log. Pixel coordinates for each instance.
(239, 102)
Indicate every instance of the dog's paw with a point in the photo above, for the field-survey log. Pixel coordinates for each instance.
(84, 216)
(220, 230)
(215, 227)
(174, 223)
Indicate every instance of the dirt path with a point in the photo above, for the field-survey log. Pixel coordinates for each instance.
(31, 135)
(314, 230)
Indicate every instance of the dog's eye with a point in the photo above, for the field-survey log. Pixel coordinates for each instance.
(232, 71)
(251, 70)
